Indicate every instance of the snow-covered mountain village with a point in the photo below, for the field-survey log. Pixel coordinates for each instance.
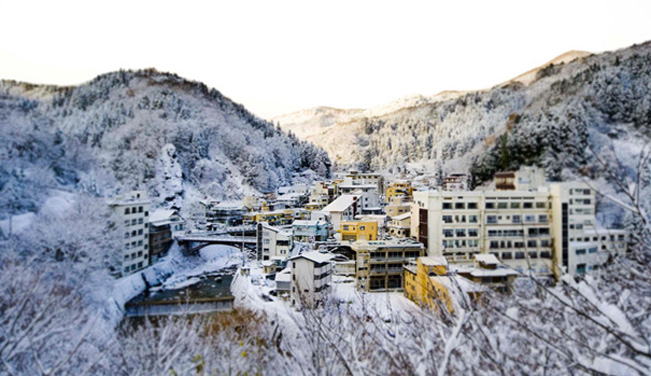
(152, 225)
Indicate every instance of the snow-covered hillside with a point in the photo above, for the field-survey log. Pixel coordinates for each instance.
(142, 129)
(551, 116)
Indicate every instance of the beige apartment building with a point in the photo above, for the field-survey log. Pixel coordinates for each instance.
(536, 230)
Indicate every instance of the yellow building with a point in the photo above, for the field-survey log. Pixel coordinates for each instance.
(359, 230)
(426, 282)
(399, 188)
(397, 206)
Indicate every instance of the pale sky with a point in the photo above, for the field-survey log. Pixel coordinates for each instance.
(282, 56)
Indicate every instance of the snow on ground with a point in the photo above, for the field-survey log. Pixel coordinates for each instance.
(212, 259)
(253, 292)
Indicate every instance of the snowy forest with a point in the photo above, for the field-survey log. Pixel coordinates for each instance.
(148, 130)
(554, 121)
(65, 149)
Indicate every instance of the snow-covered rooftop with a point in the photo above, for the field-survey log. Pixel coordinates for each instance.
(487, 258)
(433, 261)
(402, 216)
(161, 215)
(302, 222)
(315, 256)
(342, 203)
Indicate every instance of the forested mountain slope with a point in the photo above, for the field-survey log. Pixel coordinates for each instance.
(556, 119)
(142, 129)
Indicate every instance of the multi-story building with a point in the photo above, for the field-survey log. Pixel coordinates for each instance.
(228, 212)
(399, 188)
(133, 211)
(487, 271)
(400, 226)
(319, 196)
(311, 276)
(273, 244)
(276, 217)
(455, 182)
(580, 246)
(308, 231)
(358, 230)
(344, 208)
(380, 263)
(300, 189)
(512, 225)
(535, 230)
(397, 206)
(527, 178)
(357, 178)
(160, 233)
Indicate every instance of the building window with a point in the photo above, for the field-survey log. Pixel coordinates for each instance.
(540, 205)
(545, 255)
(542, 218)
(472, 219)
(506, 255)
(146, 214)
(126, 211)
(490, 205)
(527, 205)
(459, 205)
(447, 206)
(491, 219)
(472, 205)
(517, 219)
(580, 252)
(448, 233)
(460, 232)
(519, 255)
(447, 218)
(472, 232)
(531, 243)
(139, 220)
(515, 205)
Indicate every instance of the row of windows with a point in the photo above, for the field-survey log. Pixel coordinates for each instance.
(139, 243)
(133, 233)
(133, 267)
(522, 255)
(529, 218)
(579, 191)
(498, 244)
(460, 232)
(516, 205)
(583, 251)
(460, 219)
(459, 205)
(135, 255)
(133, 222)
(461, 243)
(620, 238)
(134, 210)
(398, 254)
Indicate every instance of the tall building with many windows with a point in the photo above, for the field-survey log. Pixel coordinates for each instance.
(132, 209)
(548, 231)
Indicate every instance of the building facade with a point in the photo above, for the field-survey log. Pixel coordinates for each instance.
(380, 263)
(311, 276)
(132, 209)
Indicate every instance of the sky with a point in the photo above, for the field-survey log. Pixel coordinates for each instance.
(277, 57)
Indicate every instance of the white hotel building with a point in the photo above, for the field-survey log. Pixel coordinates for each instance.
(132, 209)
(540, 231)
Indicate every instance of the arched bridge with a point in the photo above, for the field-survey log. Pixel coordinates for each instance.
(194, 242)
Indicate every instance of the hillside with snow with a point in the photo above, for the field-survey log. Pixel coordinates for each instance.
(176, 138)
(556, 116)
